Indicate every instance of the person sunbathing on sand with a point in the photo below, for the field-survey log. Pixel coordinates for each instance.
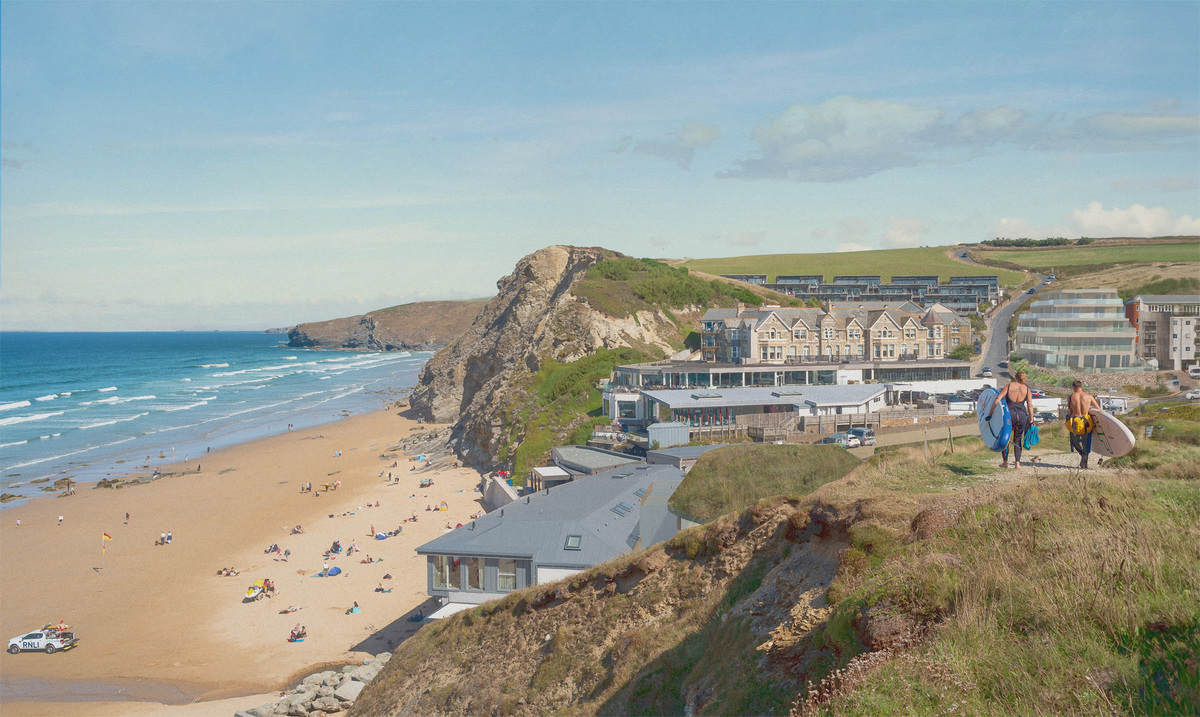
(367, 560)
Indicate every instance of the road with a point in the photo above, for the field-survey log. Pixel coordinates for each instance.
(995, 348)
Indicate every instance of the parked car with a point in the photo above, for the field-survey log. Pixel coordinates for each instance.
(987, 371)
(1048, 416)
(1193, 395)
(1031, 291)
(843, 440)
(1037, 394)
(865, 436)
(1037, 418)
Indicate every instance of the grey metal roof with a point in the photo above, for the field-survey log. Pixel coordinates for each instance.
(770, 396)
(592, 459)
(536, 527)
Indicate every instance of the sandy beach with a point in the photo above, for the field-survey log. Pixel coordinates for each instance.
(158, 625)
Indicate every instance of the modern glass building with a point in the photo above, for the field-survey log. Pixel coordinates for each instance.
(1078, 330)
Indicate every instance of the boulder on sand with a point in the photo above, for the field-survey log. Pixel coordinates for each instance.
(349, 691)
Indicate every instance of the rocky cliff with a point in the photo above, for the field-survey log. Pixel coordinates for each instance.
(422, 326)
(534, 316)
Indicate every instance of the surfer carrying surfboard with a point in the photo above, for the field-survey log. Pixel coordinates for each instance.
(1020, 407)
(1080, 424)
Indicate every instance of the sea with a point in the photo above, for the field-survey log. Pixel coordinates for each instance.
(95, 405)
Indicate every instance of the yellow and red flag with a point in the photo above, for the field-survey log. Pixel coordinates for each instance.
(106, 537)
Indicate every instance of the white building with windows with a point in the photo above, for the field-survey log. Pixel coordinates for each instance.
(1168, 328)
(550, 535)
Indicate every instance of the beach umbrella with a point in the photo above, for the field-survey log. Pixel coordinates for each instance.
(335, 570)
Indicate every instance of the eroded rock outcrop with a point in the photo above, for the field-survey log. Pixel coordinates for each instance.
(422, 326)
(534, 316)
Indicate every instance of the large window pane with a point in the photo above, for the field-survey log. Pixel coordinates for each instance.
(474, 574)
(441, 571)
(506, 578)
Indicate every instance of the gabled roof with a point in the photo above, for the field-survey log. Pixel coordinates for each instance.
(536, 527)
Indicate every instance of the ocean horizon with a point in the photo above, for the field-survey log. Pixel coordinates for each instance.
(92, 405)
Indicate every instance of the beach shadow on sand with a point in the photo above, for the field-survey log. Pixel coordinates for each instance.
(388, 638)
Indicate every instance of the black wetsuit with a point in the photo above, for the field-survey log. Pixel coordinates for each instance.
(1020, 424)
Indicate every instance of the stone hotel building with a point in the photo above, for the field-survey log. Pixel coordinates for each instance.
(775, 335)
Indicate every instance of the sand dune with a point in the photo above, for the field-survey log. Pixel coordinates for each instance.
(159, 623)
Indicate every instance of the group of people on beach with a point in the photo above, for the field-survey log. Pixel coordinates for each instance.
(1080, 424)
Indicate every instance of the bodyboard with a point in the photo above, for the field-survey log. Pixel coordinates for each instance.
(996, 432)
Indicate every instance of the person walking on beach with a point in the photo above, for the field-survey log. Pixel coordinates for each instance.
(126, 517)
(168, 537)
(60, 520)
(18, 522)
(162, 538)
(1080, 424)
(287, 553)
(1020, 407)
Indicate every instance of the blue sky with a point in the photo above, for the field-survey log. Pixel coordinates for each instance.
(248, 165)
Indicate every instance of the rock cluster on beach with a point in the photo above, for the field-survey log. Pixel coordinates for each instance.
(322, 693)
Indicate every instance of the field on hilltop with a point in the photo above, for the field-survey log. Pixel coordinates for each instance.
(884, 262)
(1099, 252)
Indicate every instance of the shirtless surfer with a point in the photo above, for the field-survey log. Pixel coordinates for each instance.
(1080, 425)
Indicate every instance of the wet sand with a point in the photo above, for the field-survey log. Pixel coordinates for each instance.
(160, 618)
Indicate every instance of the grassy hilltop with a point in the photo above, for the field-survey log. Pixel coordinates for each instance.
(885, 262)
(913, 585)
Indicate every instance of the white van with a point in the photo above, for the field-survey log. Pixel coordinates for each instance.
(1194, 370)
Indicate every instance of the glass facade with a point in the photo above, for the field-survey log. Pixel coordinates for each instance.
(1078, 329)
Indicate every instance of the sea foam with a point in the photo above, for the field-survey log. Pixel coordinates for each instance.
(14, 404)
(26, 419)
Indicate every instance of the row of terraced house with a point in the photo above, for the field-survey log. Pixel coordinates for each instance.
(870, 331)
(963, 294)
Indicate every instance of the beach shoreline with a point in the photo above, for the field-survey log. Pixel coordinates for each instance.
(160, 613)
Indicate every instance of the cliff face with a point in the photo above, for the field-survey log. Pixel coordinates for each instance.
(534, 316)
(422, 326)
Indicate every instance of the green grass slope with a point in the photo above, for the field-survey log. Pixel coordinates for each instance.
(885, 262)
(913, 586)
(1097, 253)
(731, 479)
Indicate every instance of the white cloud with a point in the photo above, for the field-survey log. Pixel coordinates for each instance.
(1096, 221)
(850, 137)
(1137, 221)
(904, 233)
(853, 233)
(681, 146)
(746, 239)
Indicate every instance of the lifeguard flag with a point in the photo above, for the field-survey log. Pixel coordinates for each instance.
(106, 537)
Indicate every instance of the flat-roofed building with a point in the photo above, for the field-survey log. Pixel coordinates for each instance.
(1168, 328)
(1078, 330)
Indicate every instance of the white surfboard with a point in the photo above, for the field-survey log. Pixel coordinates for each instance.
(996, 432)
(1111, 438)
